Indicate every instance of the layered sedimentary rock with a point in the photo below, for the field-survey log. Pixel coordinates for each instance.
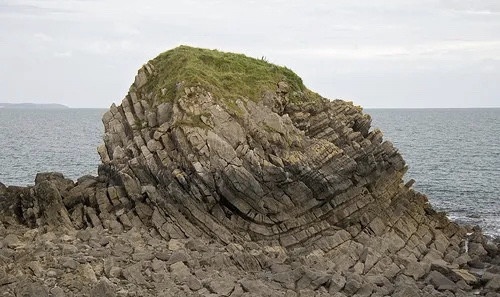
(201, 192)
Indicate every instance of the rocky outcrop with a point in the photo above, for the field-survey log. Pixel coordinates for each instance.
(286, 194)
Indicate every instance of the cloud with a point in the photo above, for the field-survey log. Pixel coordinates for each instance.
(479, 12)
(110, 47)
(489, 6)
(28, 8)
(66, 54)
(448, 49)
(43, 37)
(349, 42)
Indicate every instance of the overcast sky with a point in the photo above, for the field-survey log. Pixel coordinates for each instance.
(421, 53)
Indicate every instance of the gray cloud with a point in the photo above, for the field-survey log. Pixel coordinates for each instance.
(377, 53)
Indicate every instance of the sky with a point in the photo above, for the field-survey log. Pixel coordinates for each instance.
(378, 54)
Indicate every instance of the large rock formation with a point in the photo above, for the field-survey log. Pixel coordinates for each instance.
(224, 175)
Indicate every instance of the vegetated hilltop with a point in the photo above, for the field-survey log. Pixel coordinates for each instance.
(224, 175)
(224, 75)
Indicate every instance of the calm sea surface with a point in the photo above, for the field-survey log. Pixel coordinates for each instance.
(453, 154)
(34, 141)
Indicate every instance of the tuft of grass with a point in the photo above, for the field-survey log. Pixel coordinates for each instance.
(227, 76)
(194, 121)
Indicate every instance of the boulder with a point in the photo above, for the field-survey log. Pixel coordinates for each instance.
(415, 269)
(133, 274)
(12, 241)
(27, 288)
(103, 289)
(440, 282)
(494, 283)
(464, 275)
(52, 210)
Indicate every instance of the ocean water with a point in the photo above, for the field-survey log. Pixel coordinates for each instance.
(34, 141)
(454, 157)
(453, 154)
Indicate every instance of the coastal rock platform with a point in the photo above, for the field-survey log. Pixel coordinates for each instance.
(222, 175)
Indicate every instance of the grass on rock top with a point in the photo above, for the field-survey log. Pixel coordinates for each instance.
(225, 75)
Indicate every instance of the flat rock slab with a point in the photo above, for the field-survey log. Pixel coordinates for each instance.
(441, 282)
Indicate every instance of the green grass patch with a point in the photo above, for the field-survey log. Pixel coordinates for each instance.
(194, 121)
(227, 76)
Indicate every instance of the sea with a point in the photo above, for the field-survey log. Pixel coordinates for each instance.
(453, 154)
(454, 157)
(43, 140)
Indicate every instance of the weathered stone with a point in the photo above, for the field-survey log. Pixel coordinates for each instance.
(142, 256)
(57, 292)
(177, 256)
(12, 241)
(221, 286)
(3, 189)
(407, 291)
(415, 270)
(494, 283)
(36, 268)
(256, 287)
(133, 274)
(26, 288)
(352, 286)
(141, 78)
(115, 272)
(70, 263)
(440, 282)
(103, 289)
(462, 274)
(87, 272)
(287, 278)
(175, 244)
(477, 249)
(337, 283)
(180, 271)
(194, 284)
(196, 245)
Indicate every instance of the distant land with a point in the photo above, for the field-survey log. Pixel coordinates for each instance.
(32, 106)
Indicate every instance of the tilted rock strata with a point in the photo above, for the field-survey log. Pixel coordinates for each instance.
(200, 195)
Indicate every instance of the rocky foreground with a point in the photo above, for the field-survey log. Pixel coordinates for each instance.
(204, 191)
